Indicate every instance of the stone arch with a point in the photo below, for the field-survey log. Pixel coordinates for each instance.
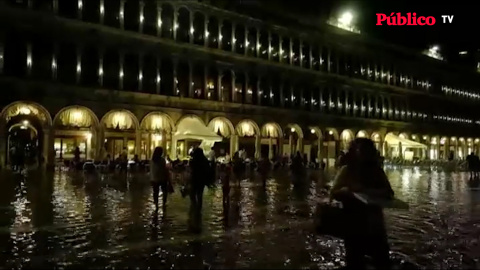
(297, 129)
(76, 116)
(272, 130)
(316, 130)
(376, 137)
(155, 121)
(346, 137)
(190, 116)
(362, 134)
(26, 108)
(120, 119)
(222, 125)
(247, 127)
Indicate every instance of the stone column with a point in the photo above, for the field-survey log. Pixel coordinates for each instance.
(149, 145)
(205, 82)
(290, 145)
(259, 91)
(48, 140)
(233, 144)
(175, 85)
(233, 96)
(100, 141)
(300, 145)
(446, 151)
(384, 150)
(173, 146)
(190, 80)
(138, 142)
(258, 146)
(282, 96)
(3, 145)
(219, 86)
(319, 150)
(400, 152)
(270, 148)
(438, 150)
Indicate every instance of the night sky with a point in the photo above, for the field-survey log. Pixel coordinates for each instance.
(462, 34)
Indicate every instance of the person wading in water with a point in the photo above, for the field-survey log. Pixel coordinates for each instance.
(159, 176)
(367, 234)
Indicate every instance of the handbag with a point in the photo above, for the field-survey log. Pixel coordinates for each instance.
(330, 219)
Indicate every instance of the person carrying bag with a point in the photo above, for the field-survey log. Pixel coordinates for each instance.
(359, 223)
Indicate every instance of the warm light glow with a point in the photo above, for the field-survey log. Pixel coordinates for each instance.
(312, 131)
(292, 130)
(25, 123)
(77, 116)
(346, 18)
(157, 137)
(25, 110)
(176, 26)
(330, 132)
(88, 135)
(159, 23)
(414, 137)
(361, 134)
(192, 30)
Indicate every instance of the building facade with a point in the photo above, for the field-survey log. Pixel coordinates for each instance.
(121, 74)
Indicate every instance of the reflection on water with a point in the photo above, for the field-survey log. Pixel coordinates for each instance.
(71, 220)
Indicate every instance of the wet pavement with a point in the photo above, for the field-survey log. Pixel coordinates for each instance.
(70, 220)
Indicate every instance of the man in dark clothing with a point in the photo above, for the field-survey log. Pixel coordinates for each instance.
(471, 164)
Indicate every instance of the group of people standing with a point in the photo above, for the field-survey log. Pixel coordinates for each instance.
(473, 162)
(201, 175)
(360, 170)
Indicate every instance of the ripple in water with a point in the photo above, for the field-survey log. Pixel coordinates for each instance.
(71, 220)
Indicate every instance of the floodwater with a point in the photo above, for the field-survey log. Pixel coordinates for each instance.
(68, 220)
